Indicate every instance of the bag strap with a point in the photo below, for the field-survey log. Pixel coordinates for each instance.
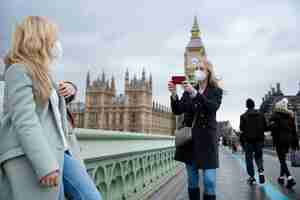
(70, 118)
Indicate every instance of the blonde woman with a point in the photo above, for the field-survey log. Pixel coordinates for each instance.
(283, 128)
(35, 159)
(199, 103)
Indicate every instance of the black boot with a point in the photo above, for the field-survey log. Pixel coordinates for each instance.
(290, 183)
(194, 193)
(209, 197)
(281, 180)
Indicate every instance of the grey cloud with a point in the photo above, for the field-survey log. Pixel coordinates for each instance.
(252, 44)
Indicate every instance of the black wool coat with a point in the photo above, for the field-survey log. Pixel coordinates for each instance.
(253, 125)
(203, 148)
(283, 129)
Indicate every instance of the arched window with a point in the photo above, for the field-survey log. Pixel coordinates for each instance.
(133, 118)
(92, 117)
(93, 99)
(121, 119)
(107, 120)
(114, 119)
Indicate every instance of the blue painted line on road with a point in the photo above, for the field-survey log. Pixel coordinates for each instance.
(271, 191)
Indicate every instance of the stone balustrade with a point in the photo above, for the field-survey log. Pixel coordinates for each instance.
(127, 165)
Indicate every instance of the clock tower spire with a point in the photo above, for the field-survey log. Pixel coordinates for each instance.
(194, 51)
(195, 29)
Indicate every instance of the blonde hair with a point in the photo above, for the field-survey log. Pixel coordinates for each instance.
(282, 106)
(31, 45)
(212, 79)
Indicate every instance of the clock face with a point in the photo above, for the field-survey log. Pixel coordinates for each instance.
(194, 61)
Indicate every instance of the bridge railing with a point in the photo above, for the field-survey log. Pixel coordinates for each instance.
(127, 165)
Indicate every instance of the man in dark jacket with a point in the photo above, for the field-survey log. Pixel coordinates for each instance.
(252, 126)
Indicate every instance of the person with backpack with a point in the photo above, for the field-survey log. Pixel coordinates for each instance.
(252, 126)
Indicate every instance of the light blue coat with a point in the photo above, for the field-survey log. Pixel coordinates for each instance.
(29, 137)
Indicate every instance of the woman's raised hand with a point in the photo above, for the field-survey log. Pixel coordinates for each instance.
(188, 87)
(172, 88)
(66, 89)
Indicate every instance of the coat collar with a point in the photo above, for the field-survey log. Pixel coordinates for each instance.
(61, 106)
(285, 111)
(206, 90)
(53, 84)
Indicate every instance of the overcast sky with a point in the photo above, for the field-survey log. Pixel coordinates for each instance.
(253, 44)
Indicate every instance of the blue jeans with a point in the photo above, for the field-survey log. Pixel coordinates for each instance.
(209, 178)
(254, 149)
(77, 184)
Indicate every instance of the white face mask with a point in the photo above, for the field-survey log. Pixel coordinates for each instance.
(57, 50)
(199, 75)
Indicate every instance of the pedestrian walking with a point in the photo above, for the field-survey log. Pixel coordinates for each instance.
(252, 126)
(283, 130)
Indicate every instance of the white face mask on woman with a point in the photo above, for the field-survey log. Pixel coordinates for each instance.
(199, 75)
(57, 50)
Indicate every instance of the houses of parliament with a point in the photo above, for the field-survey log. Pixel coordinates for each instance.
(133, 111)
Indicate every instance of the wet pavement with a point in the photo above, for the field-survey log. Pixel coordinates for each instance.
(232, 181)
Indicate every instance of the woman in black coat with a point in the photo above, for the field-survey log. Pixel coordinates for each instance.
(200, 103)
(283, 128)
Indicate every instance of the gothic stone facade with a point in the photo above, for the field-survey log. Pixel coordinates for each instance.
(132, 111)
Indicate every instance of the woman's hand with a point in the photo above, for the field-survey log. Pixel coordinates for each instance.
(66, 89)
(172, 88)
(51, 180)
(188, 88)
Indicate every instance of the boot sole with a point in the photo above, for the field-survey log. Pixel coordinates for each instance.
(290, 186)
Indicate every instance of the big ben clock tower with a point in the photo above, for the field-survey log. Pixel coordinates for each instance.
(194, 51)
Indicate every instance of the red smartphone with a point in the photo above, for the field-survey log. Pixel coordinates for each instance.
(178, 79)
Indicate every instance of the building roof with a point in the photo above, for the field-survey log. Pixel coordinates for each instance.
(195, 41)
